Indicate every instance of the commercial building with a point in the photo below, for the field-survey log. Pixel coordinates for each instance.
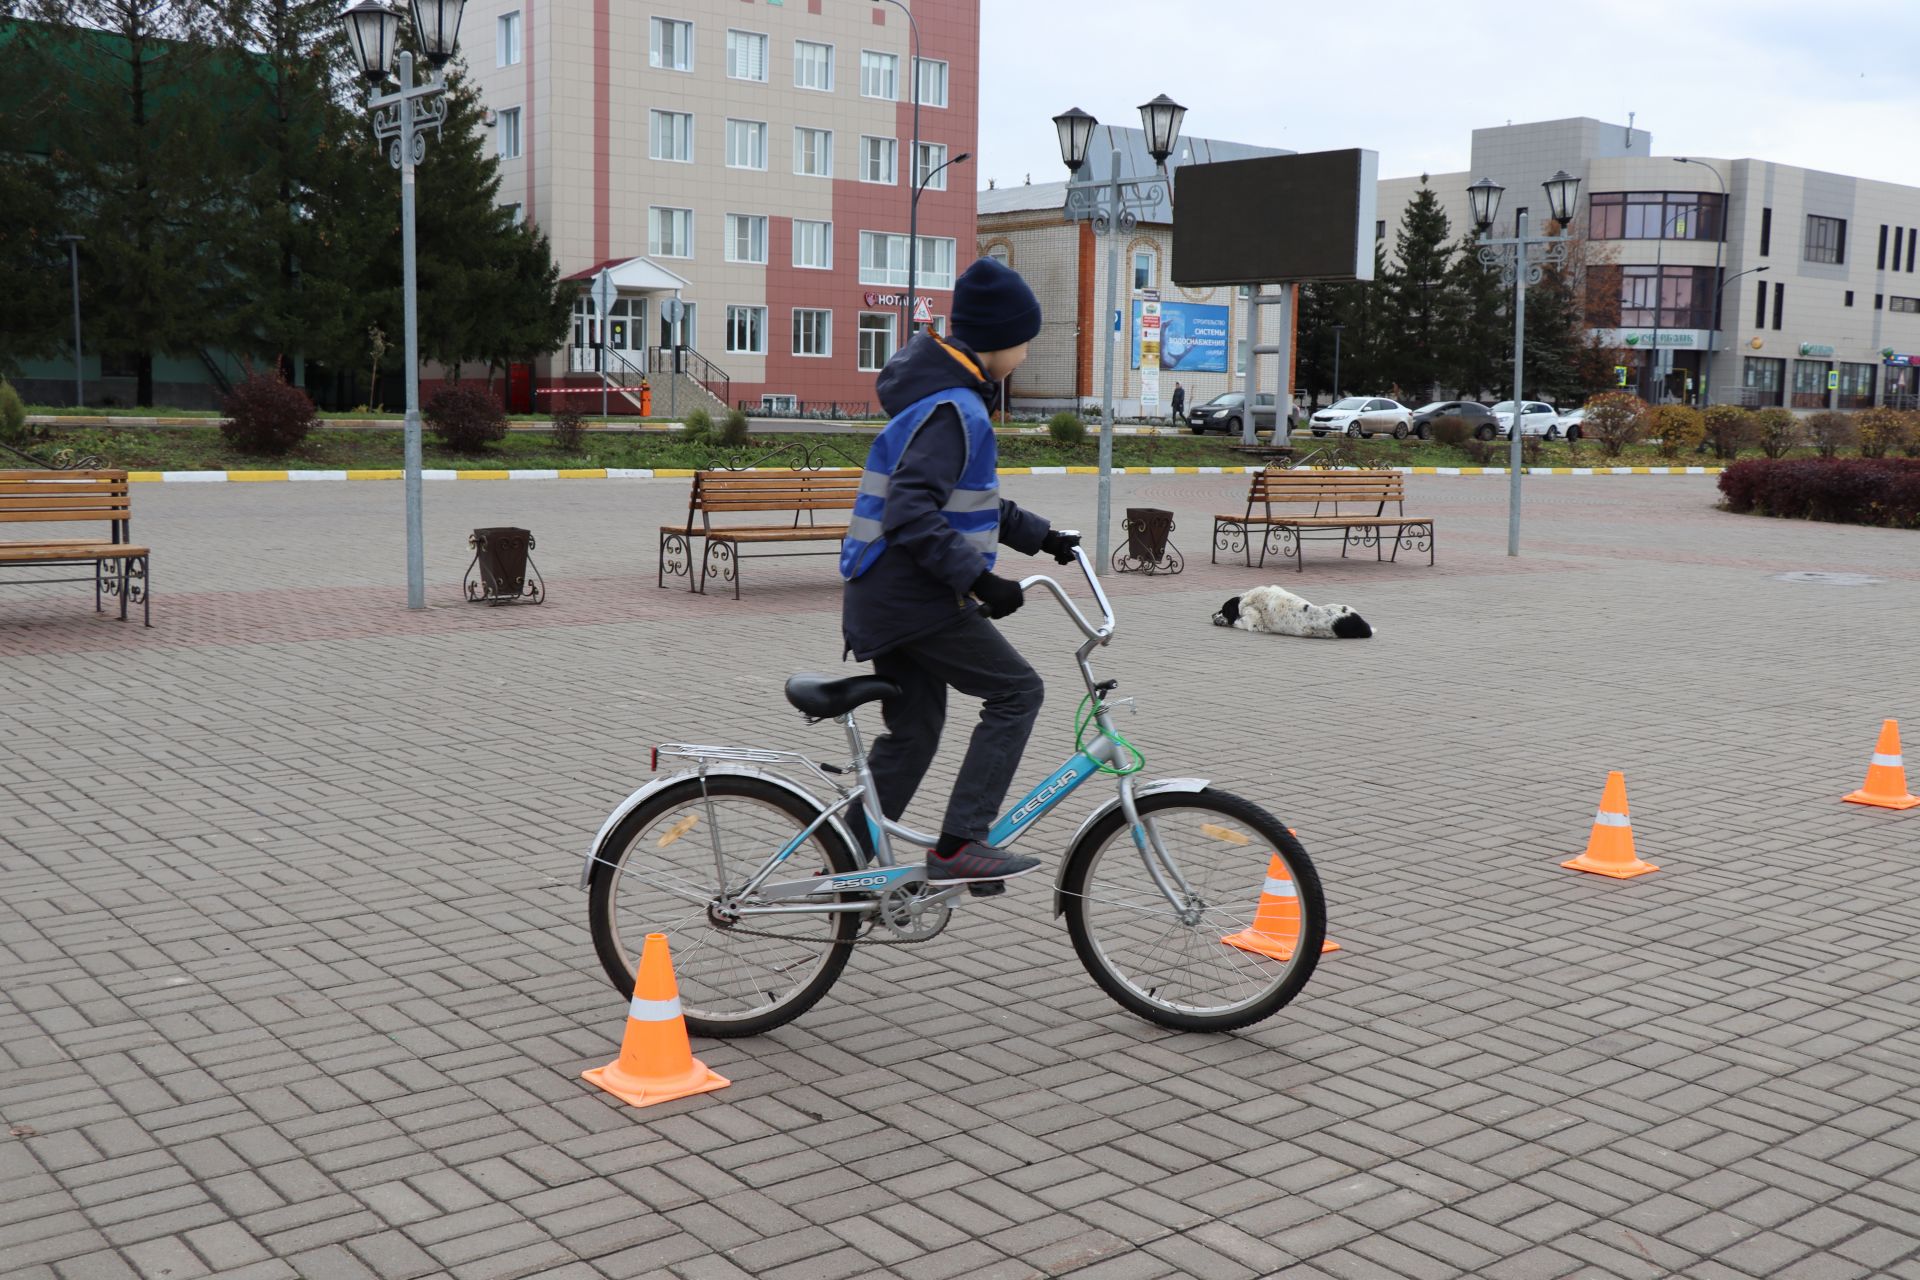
(1812, 276)
(745, 171)
(1203, 330)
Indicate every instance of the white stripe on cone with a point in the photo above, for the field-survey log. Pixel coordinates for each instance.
(654, 1010)
(1604, 819)
(1282, 889)
(1890, 762)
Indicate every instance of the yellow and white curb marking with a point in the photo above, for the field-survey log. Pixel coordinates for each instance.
(681, 473)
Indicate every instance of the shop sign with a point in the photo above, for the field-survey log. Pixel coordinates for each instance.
(1667, 338)
(886, 299)
(1150, 350)
(1815, 349)
(1901, 361)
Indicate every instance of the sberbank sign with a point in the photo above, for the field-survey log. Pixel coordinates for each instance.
(1815, 349)
(1667, 338)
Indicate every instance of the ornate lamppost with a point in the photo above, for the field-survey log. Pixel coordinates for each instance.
(1115, 206)
(1521, 260)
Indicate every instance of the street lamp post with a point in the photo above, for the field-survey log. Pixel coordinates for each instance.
(1114, 207)
(79, 375)
(1338, 329)
(913, 204)
(1522, 260)
(401, 119)
(1719, 242)
(920, 185)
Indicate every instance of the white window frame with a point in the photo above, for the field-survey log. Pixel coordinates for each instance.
(871, 61)
(893, 167)
(861, 330)
(755, 243)
(752, 125)
(934, 165)
(825, 152)
(510, 140)
(888, 276)
(798, 83)
(826, 238)
(656, 58)
(655, 117)
(934, 274)
(506, 39)
(921, 67)
(752, 312)
(655, 244)
(735, 38)
(824, 332)
(1153, 268)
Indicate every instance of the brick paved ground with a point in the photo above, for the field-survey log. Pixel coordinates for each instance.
(297, 981)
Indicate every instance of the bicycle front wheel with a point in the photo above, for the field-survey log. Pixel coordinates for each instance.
(1233, 936)
(667, 864)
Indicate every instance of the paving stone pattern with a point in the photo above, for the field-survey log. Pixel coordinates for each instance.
(297, 980)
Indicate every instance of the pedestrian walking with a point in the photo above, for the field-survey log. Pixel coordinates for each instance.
(1179, 403)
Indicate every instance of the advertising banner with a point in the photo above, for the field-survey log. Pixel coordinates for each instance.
(1148, 340)
(1193, 338)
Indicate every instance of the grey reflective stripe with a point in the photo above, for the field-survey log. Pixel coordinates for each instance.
(863, 529)
(1602, 818)
(654, 1010)
(1889, 762)
(986, 541)
(973, 500)
(1281, 889)
(872, 482)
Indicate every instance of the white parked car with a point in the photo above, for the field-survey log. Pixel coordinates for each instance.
(1573, 424)
(1536, 419)
(1363, 416)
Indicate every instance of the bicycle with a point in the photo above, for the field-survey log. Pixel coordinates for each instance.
(1156, 885)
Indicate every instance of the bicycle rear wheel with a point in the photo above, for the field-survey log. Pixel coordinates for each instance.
(664, 866)
(1238, 941)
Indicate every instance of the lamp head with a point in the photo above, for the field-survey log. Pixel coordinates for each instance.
(1075, 128)
(437, 24)
(1484, 197)
(1560, 189)
(1161, 119)
(372, 28)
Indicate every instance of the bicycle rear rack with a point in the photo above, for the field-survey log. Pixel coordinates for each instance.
(705, 755)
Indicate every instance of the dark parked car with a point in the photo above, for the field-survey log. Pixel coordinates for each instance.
(1478, 416)
(1227, 411)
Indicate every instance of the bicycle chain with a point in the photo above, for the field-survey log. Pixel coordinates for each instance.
(834, 942)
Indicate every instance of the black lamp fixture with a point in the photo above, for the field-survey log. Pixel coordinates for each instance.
(1560, 190)
(371, 29)
(437, 23)
(1484, 196)
(1161, 119)
(1075, 128)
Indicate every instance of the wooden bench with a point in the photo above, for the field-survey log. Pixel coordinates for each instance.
(37, 497)
(729, 494)
(1348, 505)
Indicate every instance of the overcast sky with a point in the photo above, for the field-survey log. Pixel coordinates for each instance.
(1828, 84)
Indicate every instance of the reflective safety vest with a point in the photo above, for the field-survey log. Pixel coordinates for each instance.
(973, 508)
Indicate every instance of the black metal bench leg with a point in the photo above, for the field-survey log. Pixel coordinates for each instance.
(98, 568)
(146, 591)
(124, 578)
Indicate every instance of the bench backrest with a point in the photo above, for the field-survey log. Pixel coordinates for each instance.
(31, 496)
(1330, 488)
(801, 492)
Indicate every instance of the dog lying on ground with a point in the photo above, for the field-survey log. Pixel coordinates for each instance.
(1277, 611)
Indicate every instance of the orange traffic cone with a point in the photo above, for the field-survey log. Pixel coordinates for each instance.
(1610, 847)
(1276, 921)
(656, 1064)
(1887, 776)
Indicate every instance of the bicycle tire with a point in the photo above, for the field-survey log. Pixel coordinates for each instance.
(612, 860)
(1083, 861)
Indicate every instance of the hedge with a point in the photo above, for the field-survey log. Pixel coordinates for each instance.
(1877, 491)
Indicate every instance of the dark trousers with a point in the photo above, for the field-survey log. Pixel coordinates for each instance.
(972, 657)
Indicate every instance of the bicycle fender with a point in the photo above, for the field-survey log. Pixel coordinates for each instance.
(639, 797)
(1139, 793)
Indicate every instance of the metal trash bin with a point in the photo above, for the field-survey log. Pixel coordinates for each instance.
(501, 557)
(1149, 547)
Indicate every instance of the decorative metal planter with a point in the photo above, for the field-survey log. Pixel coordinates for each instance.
(1149, 547)
(500, 556)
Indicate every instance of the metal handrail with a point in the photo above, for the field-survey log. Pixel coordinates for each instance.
(704, 371)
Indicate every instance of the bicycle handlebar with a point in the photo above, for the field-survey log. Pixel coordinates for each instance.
(1104, 631)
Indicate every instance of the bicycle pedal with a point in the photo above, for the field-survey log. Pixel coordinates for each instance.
(987, 888)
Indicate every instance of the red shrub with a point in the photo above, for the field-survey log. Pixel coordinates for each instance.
(1843, 490)
(467, 419)
(266, 415)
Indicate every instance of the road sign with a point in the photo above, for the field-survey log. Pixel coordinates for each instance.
(1116, 319)
(922, 311)
(1833, 379)
(672, 309)
(1620, 375)
(603, 293)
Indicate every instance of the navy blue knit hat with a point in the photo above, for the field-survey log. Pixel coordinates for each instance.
(993, 309)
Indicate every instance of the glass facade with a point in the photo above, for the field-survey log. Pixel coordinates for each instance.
(1856, 386)
(1685, 297)
(1656, 215)
(1761, 378)
(1809, 384)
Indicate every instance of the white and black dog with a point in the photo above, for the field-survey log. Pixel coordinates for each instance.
(1277, 611)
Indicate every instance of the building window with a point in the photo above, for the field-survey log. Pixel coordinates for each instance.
(1685, 297)
(506, 40)
(519, 213)
(746, 144)
(509, 122)
(1826, 239)
(670, 233)
(813, 152)
(883, 258)
(1655, 215)
(746, 55)
(813, 245)
(1380, 230)
(1001, 254)
(1766, 232)
(746, 237)
(1810, 384)
(747, 331)
(879, 160)
(1761, 378)
(672, 133)
(1779, 304)
(1856, 387)
(1143, 270)
(1240, 359)
(1913, 235)
(876, 340)
(812, 66)
(812, 332)
(879, 75)
(672, 48)
(1896, 247)
(936, 262)
(933, 82)
(1909, 305)
(1883, 248)
(1879, 299)
(931, 157)
(1760, 308)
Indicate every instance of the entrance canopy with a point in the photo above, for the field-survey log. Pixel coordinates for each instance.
(634, 274)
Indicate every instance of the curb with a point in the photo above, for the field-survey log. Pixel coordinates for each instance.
(681, 473)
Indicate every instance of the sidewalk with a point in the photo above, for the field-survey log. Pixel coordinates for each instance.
(298, 981)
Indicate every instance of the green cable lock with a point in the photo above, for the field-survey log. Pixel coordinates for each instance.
(1083, 720)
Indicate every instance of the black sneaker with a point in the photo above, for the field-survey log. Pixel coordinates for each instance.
(979, 865)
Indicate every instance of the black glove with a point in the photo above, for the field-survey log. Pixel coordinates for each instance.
(1060, 545)
(998, 596)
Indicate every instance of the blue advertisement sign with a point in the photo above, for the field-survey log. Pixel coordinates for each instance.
(1193, 338)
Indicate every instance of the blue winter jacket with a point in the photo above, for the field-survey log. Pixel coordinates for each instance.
(919, 583)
